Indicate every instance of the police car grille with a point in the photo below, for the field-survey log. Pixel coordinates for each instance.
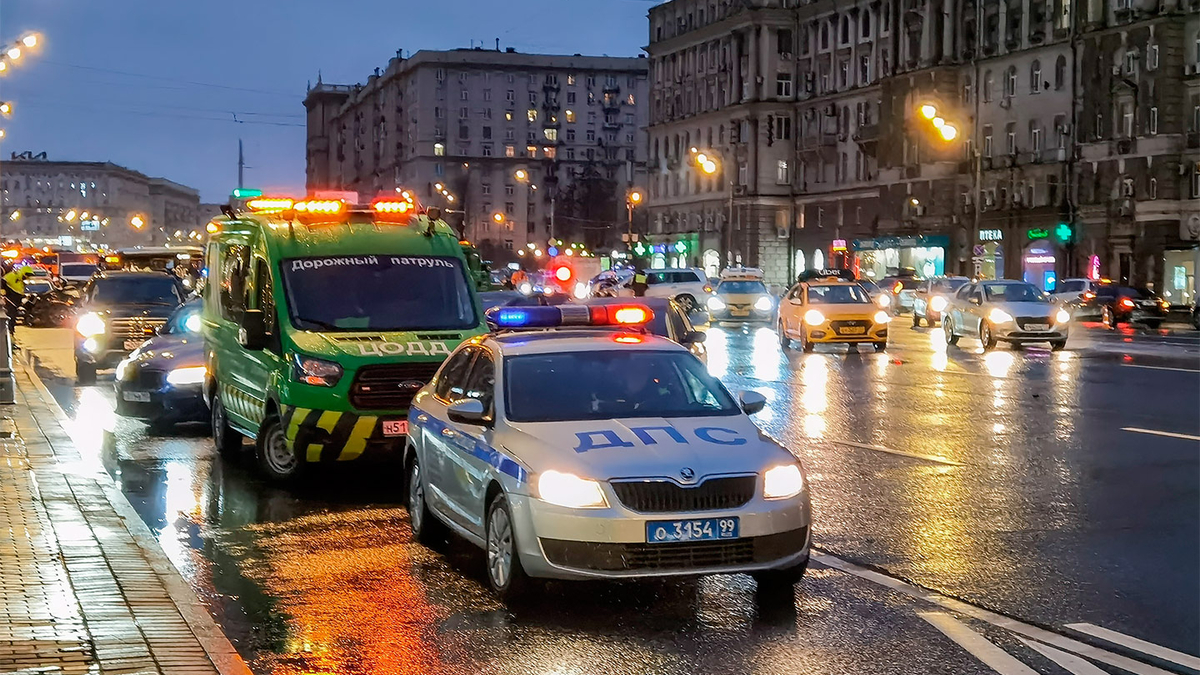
(675, 556)
(667, 497)
(381, 387)
(134, 327)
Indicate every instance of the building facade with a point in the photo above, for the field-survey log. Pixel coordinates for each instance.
(1074, 153)
(97, 203)
(529, 146)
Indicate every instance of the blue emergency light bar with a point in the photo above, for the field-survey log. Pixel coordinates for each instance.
(569, 315)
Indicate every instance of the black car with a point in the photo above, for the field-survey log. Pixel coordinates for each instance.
(670, 321)
(1118, 304)
(117, 313)
(162, 381)
(52, 309)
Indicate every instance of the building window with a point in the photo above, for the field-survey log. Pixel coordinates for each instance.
(464, 95)
(590, 81)
(485, 188)
(987, 87)
(742, 173)
(1060, 131)
(1152, 57)
(464, 131)
(845, 29)
(987, 141)
(783, 85)
(1060, 72)
(783, 128)
(824, 35)
(570, 153)
(510, 208)
(439, 113)
(843, 74)
(1010, 81)
(1035, 77)
(629, 119)
(1153, 188)
(510, 151)
(509, 134)
(865, 23)
(1152, 123)
(570, 135)
(1131, 59)
(864, 69)
(1035, 137)
(531, 115)
(782, 173)
(487, 94)
(439, 170)
(570, 117)
(550, 134)
(531, 150)
(487, 133)
(487, 149)
(463, 113)
(439, 149)
(1010, 138)
(591, 135)
(1127, 120)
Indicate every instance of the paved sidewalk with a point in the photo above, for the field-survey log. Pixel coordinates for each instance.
(84, 587)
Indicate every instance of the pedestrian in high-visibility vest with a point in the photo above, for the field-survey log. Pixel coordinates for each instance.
(14, 293)
(639, 284)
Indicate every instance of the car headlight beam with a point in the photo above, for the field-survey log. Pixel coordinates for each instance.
(1062, 316)
(783, 482)
(192, 323)
(814, 317)
(569, 490)
(763, 304)
(882, 317)
(998, 315)
(884, 300)
(715, 304)
(937, 303)
(90, 325)
(187, 375)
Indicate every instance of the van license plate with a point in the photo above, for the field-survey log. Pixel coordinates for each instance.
(136, 396)
(395, 428)
(131, 345)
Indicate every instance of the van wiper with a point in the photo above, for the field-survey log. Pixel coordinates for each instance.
(320, 324)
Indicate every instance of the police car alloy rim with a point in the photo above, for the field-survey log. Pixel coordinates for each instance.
(279, 457)
(416, 498)
(499, 547)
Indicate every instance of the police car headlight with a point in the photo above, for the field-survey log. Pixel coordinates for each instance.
(1063, 316)
(90, 325)
(814, 318)
(715, 304)
(783, 482)
(763, 304)
(188, 375)
(937, 303)
(999, 316)
(192, 323)
(882, 317)
(317, 372)
(569, 490)
(884, 300)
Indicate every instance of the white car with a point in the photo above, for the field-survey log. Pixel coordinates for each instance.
(688, 286)
(584, 454)
(1010, 311)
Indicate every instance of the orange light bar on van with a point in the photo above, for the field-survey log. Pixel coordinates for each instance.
(270, 204)
(321, 207)
(212, 227)
(10, 253)
(391, 206)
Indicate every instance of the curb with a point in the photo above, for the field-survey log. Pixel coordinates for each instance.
(210, 636)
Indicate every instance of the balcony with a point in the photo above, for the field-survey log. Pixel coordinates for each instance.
(818, 142)
(867, 134)
(1123, 146)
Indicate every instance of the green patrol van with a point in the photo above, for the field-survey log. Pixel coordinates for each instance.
(322, 320)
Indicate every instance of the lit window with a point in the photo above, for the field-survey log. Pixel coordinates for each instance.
(508, 115)
(632, 100)
(551, 134)
(510, 151)
(439, 149)
(570, 116)
(531, 150)
(532, 115)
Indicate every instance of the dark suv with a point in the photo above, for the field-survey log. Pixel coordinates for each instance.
(117, 313)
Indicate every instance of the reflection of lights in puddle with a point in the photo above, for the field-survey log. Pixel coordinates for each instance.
(814, 426)
(940, 361)
(717, 347)
(94, 420)
(998, 363)
(766, 356)
(179, 500)
(997, 428)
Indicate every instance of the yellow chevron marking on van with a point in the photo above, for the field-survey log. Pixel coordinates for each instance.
(294, 423)
(358, 438)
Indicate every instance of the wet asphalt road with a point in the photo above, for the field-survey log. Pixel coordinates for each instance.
(1033, 484)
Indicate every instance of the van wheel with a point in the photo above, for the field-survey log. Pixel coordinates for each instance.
(806, 345)
(277, 461)
(1058, 346)
(227, 440)
(504, 572)
(85, 373)
(880, 346)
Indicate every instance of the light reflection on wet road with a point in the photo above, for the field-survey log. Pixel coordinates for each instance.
(1004, 479)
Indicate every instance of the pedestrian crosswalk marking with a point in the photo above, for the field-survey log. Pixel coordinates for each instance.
(978, 646)
(1068, 662)
(1137, 644)
(1155, 432)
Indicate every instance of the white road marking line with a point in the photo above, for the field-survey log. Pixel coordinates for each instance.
(1185, 660)
(978, 646)
(1155, 432)
(981, 614)
(1068, 662)
(879, 448)
(1178, 370)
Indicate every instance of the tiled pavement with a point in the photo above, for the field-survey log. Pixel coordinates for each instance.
(83, 586)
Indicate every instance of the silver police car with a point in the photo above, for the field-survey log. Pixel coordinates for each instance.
(577, 454)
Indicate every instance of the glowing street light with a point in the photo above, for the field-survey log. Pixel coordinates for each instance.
(635, 197)
(137, 222)
(521, 175)
(937, 122)
(914, 201)
(5, 108)
(498, 217)
(30, 40)
(928, 111)
(14, 53)
(948, 132)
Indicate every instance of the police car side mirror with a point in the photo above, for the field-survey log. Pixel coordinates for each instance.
(695, 337)
(468, 411)
(751, 402)
(252, 333)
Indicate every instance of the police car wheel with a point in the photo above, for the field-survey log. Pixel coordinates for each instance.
(426, 528)
(505, 574)
(770, 581)
(85, 373)
(228, 441)
(278, 461)
(1058, 346)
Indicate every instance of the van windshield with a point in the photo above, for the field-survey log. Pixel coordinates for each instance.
(378, 292)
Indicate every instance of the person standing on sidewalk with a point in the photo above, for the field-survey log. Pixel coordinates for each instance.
(14, 293)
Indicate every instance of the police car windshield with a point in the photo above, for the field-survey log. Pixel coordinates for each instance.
(611, 385)
(1013, 293)
(136, 290)
(841, 294)
(742, 287)
(378, 292)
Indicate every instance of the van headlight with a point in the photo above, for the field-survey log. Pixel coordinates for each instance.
(317, 372)
(783, 482)
(814, 318)
(569, 490)
(763, 304)
(715, 304)
(187, 375)
(90, 325)
(937, 303)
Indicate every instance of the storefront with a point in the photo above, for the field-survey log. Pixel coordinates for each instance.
(885, 256)
(1040, 265)
(988, 254)
(1179, 275)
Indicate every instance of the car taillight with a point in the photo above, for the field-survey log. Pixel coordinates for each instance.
(1088, 295)
(707, 288)
(1126, 303)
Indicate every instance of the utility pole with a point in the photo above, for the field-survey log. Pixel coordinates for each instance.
(242, 165)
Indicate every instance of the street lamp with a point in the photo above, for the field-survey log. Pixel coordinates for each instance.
(137, 222)
(5, 108)
(498, 217)
(521, 175)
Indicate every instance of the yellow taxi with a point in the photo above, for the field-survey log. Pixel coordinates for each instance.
(829, 306)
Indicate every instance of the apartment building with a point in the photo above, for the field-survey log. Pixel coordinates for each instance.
(1075, 154)
(470, 120)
